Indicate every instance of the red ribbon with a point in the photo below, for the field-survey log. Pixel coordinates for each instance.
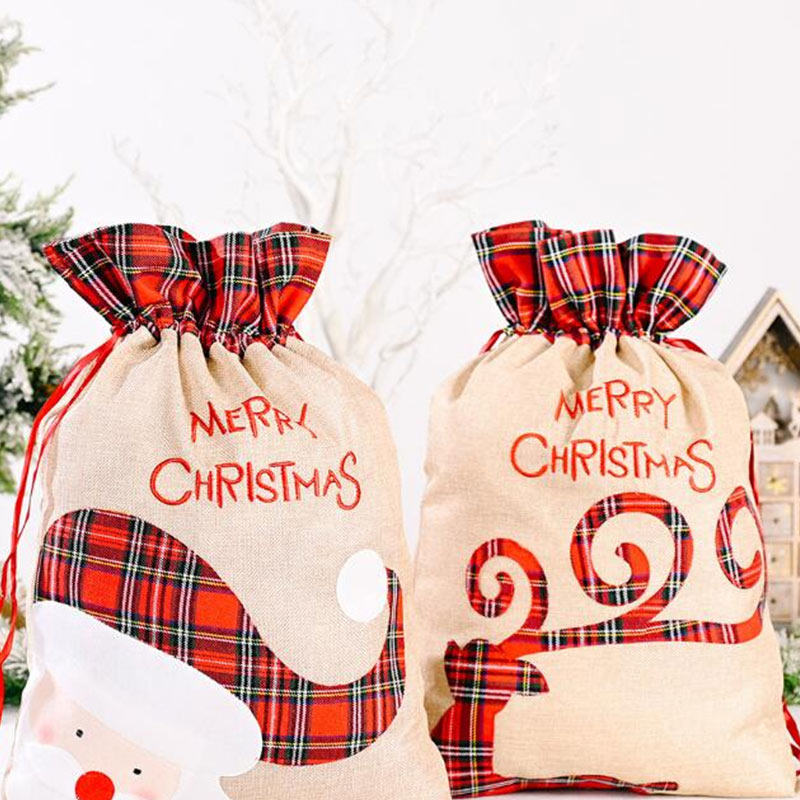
(492, 340)
(85, 369)
(684, 344)
(794, 733)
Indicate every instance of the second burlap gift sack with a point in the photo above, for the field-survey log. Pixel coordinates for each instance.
(591, 566)
(220, 608)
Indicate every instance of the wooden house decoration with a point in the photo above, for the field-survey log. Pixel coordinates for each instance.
(764, 357)
(764, 428)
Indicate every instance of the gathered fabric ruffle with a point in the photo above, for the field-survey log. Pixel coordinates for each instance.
(235, 289)
(584, 285)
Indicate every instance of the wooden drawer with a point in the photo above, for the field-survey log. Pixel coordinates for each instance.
(776, 517)
(779, 560)
(780, 600)
(776, 479)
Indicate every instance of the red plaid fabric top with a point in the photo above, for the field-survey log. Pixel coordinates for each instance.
(234, 289)
(584, 285)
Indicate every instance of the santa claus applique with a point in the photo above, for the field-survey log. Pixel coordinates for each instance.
(149, 680)
(112, 718)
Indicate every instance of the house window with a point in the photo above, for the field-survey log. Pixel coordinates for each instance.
(764, 437)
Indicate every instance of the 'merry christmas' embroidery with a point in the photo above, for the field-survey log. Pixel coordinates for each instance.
(176, 481)
(534, 455)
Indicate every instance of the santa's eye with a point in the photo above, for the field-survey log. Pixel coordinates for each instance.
(79, 733)
(137, 771)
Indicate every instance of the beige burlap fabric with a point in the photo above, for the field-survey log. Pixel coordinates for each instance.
(590, 574)
(271, 467)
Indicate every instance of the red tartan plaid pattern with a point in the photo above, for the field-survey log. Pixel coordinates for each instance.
(483, 677)
(584, 285)
(482, 680)
(741, 577)
(492, 607)
(509, 258)
(141, 581)
(633, 589)
(235, 289)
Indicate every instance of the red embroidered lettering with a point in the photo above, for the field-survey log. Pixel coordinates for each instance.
(712, 475)
(618, 396)
(228, 482)
(231, 418)
(665, 402)
(574, 411)
(592, 399)
(256, 410)
(154, 476)
(214, 421)
(642, 401)
(349, 456)
(515, 458)
(312, 483)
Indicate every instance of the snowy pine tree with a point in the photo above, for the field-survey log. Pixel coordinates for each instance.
(30, 366)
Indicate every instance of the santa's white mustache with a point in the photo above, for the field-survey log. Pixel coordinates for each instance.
(55, 769)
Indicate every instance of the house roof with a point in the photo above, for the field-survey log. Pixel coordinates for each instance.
(763, 422)
(769, 308)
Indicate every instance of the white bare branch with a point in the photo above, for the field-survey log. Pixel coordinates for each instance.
(317, 123)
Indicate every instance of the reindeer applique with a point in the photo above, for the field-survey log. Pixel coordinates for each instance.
(483, 677)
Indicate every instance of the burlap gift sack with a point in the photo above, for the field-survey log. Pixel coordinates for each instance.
(219, 605)
(590, 573)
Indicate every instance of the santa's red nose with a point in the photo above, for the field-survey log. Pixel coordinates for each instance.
(94, 786)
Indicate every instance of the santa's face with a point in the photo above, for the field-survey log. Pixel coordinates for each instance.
(68, 753)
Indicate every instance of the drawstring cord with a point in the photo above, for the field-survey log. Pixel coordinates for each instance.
(86, 369)
(492, 341)
(794, 733)
(683, 344)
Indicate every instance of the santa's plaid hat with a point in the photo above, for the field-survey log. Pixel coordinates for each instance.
(146, 586)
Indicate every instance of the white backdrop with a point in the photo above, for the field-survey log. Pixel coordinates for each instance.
(676, 116)
(670, 116)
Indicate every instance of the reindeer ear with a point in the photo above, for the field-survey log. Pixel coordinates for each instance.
(531, 680)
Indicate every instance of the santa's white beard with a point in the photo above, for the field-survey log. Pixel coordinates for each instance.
(44, 772)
